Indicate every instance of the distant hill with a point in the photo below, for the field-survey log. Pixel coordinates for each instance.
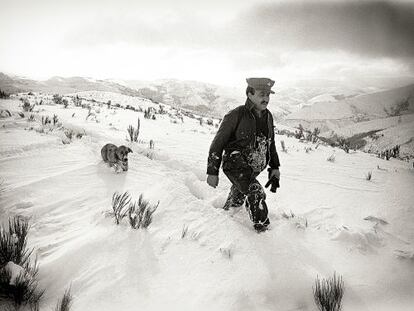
(12, 84)
(199, 97)
(387, 114)
(333, 114)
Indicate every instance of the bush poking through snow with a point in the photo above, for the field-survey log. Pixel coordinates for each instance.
(4, 95)
(21, 289)
(328, 293)
(46, 120)
(70, 134)
(226, 252)
(64, 304)
(5, 113)
(31, 118)
(57, 99)
(331, 158)
(13, 242)
(151, 144)
(26, 106)
(140, 213)
(77, 101)
(288, 216)
(18, 277)
(282, 143)
(134, 132)
(368, 176)
(55, 119)
(184, 231)
(91, 115)
(119, 205)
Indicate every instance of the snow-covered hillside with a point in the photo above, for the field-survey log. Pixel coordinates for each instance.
(326, 217)
(390, 110)
(369, 106)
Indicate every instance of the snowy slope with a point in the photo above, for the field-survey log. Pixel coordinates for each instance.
(221, 264)
(372, 106)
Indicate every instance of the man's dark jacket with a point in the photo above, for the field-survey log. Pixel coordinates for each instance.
(238, 132)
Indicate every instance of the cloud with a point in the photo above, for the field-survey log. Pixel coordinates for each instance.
(293, 37)
(371, 29)
(367, 28)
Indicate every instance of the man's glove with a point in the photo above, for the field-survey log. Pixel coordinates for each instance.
(274, 181)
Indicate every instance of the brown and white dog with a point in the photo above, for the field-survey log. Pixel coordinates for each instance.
(116, 156)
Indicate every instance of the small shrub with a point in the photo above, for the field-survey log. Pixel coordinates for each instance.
(282, 144)
(46, 120)
(119, 204)
(26, 106)
(331, 158)
(65, 103)
(77, 101)
(91, 114)
(184, 231)
(69, 133)
(55, 119)
(151, 144)
(288, 216)
(31, 118)
(299, 133)
(140, 213)
(64, 304)
(21, 114)
(328, 293)
(57, 99)
(226, 252)
(134, 132)
(150, 154)
(368, 176)
(23, 287)
(5, 113)
(13, 242)
(4, 95)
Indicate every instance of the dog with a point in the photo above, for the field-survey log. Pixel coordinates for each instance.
(116, 156)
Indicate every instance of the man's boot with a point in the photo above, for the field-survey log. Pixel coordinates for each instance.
(257, 208)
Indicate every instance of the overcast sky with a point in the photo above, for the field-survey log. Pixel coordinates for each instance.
(218, 41)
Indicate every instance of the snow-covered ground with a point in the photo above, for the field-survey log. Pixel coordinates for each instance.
(317, 217)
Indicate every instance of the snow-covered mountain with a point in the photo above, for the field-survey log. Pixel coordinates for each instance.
(199, 97)
(362, 114)
(60, 85)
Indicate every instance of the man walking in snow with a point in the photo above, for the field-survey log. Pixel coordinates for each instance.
(246, 136)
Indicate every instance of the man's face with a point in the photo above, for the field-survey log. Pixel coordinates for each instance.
(260, 99)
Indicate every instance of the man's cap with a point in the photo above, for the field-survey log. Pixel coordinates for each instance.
(264, 84)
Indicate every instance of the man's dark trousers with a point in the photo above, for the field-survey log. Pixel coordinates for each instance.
(245, 184)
